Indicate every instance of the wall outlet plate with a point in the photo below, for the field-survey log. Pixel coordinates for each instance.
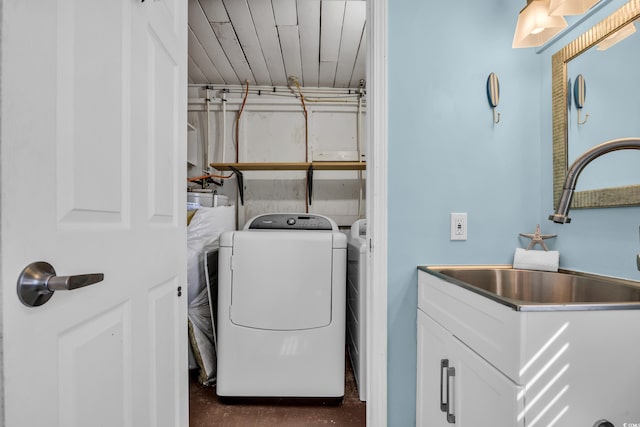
(459, 226)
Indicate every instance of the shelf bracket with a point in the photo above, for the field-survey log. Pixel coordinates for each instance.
(240, 180)
(310, 182)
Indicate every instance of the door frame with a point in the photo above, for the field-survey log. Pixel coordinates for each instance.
(377, 212)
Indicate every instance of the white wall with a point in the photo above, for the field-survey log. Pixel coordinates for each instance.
(272, 129)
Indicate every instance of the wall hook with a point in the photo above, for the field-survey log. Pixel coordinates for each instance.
(586, 117)
(579, 96)
(493, 95)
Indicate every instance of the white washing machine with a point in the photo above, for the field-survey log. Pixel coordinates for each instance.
(281, 308)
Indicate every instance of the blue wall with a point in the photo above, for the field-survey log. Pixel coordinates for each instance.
(446, 155)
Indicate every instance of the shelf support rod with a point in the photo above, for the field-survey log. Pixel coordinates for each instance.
(310, 182)
(240, 181)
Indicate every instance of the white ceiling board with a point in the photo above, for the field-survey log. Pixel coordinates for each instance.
(327, 74)
(215, 10)
(352, 30)
(195, 74)
(262, 14)
(285, 12)
(360, 67)
(332, 14)
(200, 58)
(290, 45)
(246, 32)
(309, 27)
(229, 42)
(201, 28)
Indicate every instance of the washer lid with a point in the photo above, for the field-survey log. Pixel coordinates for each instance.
(281, 280)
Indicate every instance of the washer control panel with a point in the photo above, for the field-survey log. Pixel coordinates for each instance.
(290, 222)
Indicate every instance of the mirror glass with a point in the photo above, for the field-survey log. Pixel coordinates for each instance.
(611, 110)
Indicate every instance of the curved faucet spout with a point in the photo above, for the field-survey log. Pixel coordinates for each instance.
(560, 216)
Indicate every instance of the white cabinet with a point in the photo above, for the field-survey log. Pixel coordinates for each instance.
(456, 386)
(523, 368)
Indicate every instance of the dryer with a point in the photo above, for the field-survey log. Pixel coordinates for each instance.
(281, 308)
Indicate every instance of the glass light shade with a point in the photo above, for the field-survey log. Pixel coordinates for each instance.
(616, 37)
(570, 7)
(535, 26)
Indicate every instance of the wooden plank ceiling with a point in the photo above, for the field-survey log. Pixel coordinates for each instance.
(320, 42)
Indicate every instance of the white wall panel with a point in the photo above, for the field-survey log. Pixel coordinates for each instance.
(195, 74)
(359, 69)
(352, 30)
(200, 58)
(214, 10)
(199, 24)
(229, 42)
(285, 12)
(262, 14)
(248, 38)
(332, 15)
(309, 27)
(290, 44)
(272, 129)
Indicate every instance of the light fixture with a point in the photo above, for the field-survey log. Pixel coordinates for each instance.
(616, 37)
(535, 26)
(570, 7)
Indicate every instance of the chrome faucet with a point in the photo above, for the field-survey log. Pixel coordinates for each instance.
(560, 216)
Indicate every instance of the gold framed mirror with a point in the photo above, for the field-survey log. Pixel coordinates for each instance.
(604, 197)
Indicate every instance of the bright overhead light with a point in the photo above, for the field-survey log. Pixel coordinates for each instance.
(535, 26)
(616, 37)
(570, 7)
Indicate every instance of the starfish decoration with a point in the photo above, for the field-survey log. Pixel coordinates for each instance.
(537, 238)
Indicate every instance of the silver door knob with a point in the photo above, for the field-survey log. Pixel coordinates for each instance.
(38, 282)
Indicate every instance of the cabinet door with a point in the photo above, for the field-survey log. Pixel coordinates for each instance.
(482, 395)
(475, 393)
(432, 349)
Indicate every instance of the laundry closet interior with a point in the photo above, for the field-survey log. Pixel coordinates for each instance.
(276, 125)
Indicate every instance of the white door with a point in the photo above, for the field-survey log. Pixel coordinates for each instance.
(92, 164)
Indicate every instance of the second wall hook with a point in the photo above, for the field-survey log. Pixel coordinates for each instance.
(493, 95)
(579, 96)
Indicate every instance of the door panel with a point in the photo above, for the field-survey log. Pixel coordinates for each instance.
(92, 111)
(104, 338)
(163, 75)
(164, 354)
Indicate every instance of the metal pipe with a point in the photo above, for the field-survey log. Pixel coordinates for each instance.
(205, 146)
(560, 215)
(224, 122)
(359, 147)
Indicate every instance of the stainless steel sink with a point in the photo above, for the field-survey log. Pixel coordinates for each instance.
(529, 290)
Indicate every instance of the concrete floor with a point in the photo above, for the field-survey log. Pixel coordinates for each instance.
(205, 409)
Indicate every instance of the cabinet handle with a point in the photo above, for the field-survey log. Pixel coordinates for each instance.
(451, 418)
(444, 406)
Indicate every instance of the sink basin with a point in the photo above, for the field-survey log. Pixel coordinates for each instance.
(529, 290)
